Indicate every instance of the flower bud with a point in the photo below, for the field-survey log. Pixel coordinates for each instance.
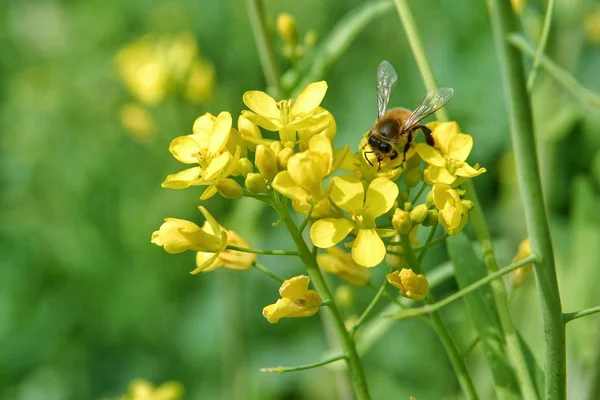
(276, 147)
(432, 218)
(266, 162)
(407, 205)
(245, 167)
(411, 285)
(343, 296)
(402, 222)
(256, 183)
(413, 177)
(310, 39)
(229, 188)
(467, 204)
(429, 199)
(287, 28)
(178, 235)
(283, 157)
(419, 213)
(520, 275)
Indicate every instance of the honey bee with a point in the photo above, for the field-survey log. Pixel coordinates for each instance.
(395, 128)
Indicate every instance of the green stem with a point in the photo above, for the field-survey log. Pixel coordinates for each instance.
(368, 310)
(281, 370)
(427, 242)
(524, 147)
(458, 363)
(541, 46)
(352, 360)
(559, 74)
(419, 193)
(268, 272)
(264, 252)
(414, 40)
(263, 41)
(501, 298)
(430, 308)
(306, 220)
(432, 243)
(567, 317)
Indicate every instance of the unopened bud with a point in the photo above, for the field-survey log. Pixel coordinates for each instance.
(283, 157)
(276, 147)
(256, 183)
(343, 296)
(287, 28)
(266, 162)
(310, 39)
(229, 188)
(520, 275)
(429, 199)
(407, 205)
(411, 285)
(245, 166)
(419, 213)
(467, 204)
(413, 177)
(402, 222)
(432, 218)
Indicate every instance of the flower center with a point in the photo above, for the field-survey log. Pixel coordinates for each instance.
(284, 107)
(300, 302)
(452, 165)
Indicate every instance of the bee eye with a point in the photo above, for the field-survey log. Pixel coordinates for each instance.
(385, 147)
(373, 141)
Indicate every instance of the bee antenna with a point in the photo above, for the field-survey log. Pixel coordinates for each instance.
(367, 158)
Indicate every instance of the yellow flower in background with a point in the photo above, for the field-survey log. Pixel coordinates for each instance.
(153, 66)
(303, 179)
(348, 193)
(178, 235)
(454, 212)
(231, 259)
(340, 263)
(447, 160)
(138, 122)
(141, 389)
(411, 285)
(296, 300)
(520, 275)
(591, 26)
(286, 116)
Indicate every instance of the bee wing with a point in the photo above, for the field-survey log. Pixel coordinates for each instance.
(433, 101)
(386, 81)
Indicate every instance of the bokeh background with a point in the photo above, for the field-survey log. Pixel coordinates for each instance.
(87, 304)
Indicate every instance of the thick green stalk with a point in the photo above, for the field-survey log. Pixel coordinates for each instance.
(355, 368)
(266, 54)
(524, 146)
(458, 363)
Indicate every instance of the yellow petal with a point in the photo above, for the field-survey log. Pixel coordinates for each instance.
(309, 99)
(248, 130)
(217, 166)
(209, 192)
(443, 134)
(368, 249)
(178, 235)
(286, 308)
(328, 232)
(219, 134)
(203, 125)
(205, 262)
(460, 147)
(348, 193)
(440, 195)
(430, 155)
(182, 179)
(215, 226)
(308, 170)
(268, 124)
(285, 185)
(439, 175)
(381, 195)
(466, 171)
(262, 104)
(294, 288)
(184, 149)
(321, 210)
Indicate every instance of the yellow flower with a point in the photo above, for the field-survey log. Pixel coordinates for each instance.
(287, 28)
(347, 192)
(339, 262)
(232, 259)
(200, 82)
(178, 235)
(402, 221)
(141, 389)
(303, 179)
(411, 285)
(296, 300)
(520, 275)
(286, 116)
(203, 147)
(454, 212)
(447, 160)
(137, 121)
(322, 209)
(371, 168)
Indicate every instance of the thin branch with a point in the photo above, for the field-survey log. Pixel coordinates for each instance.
(368, 310)
(430, 308)
(419, 193)
(268, 272)
(306, 220)
(568, 317)
(282, 370)
(435, 241)
(427, 242)
(265, 252)
(541, 46)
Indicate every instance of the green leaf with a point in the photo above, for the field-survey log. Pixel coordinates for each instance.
(334, 44)
(480, 305)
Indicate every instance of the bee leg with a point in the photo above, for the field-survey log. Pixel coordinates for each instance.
(407, 145)
(427, 132)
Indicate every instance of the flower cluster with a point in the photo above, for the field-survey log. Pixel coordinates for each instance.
(352, 202)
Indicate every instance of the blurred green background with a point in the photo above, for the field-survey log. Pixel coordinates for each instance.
(87, 304)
